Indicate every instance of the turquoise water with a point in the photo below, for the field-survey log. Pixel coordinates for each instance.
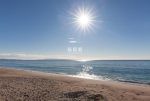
(125, 71)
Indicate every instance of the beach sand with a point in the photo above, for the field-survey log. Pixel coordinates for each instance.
(20, 85)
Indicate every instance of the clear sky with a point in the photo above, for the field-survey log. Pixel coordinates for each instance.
(42, 29)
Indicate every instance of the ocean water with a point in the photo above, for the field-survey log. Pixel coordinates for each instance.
(134, 71)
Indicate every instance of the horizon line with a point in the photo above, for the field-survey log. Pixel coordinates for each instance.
(80, 59)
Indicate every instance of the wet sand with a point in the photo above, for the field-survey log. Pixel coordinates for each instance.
(20, 85)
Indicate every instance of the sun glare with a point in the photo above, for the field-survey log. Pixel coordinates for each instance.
(84, 18)
(83, 60)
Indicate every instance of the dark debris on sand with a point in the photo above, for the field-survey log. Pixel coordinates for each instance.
(84, 96)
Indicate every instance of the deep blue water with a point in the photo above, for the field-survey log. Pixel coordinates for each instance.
(135, 71)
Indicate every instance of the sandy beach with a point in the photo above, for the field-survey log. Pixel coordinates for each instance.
(20, 85)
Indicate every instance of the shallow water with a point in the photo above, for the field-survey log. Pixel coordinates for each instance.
(118, 70)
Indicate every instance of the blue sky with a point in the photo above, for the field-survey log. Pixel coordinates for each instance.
(41, 28)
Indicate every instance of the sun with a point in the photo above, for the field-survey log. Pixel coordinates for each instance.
(84, 19)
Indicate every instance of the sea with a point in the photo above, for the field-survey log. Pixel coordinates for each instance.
(132, 71)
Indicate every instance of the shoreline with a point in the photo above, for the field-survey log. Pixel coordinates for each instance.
(74, 76)
(20, 85)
